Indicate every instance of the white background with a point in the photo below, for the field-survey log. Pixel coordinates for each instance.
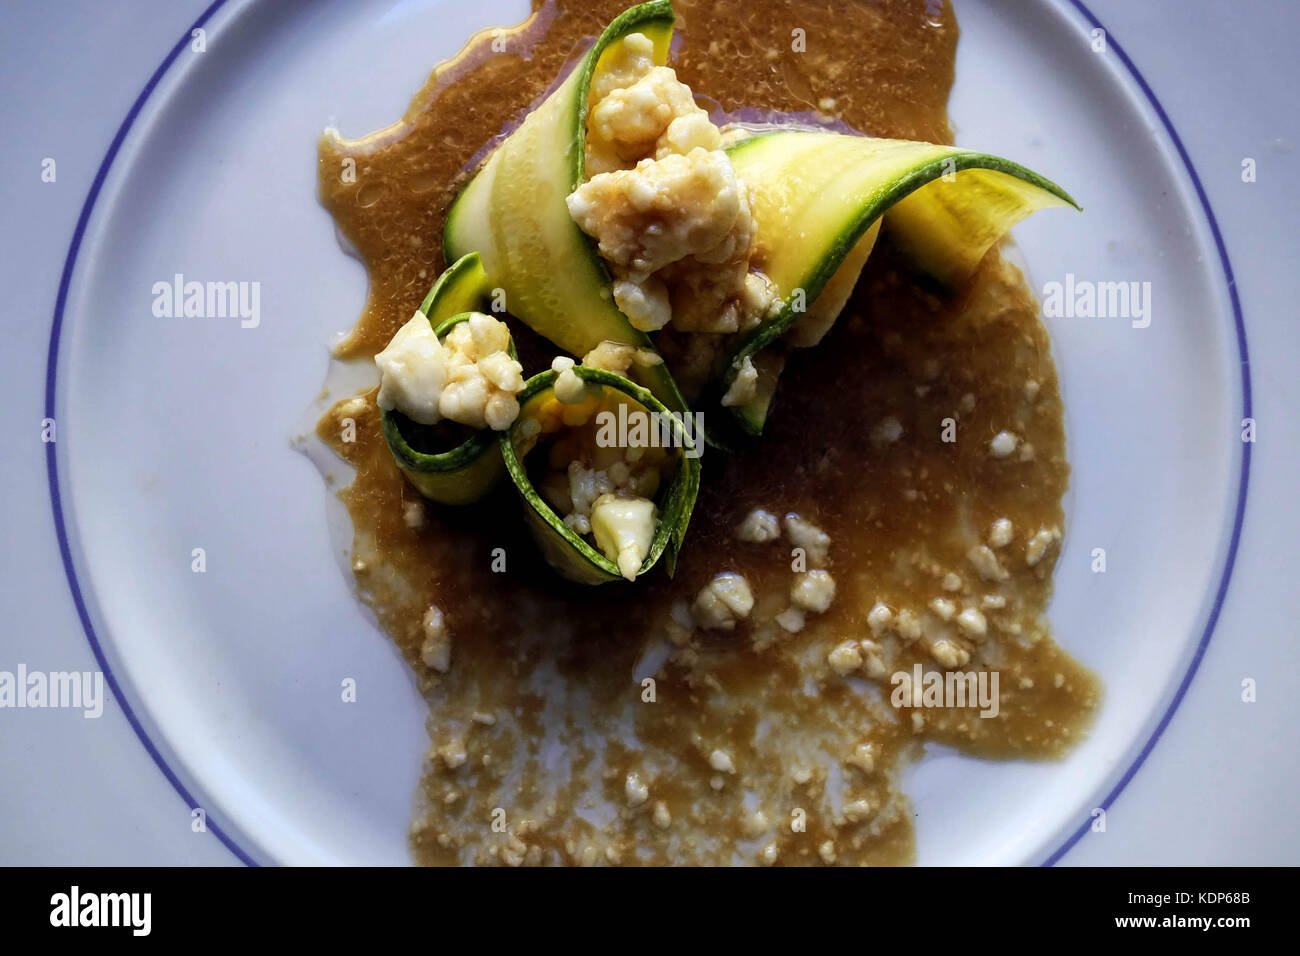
(1219, 787)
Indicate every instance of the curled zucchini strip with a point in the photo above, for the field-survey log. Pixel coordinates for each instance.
(820, 196)
(466, 471)
(566, 551)
(513, 214)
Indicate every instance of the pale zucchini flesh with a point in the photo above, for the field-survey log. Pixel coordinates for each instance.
(513, 213)
(818, 193)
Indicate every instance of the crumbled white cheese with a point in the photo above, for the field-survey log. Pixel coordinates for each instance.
(1031, 390)
(759, 527)
(453, 755)
(827, 849)
(863, 758)
(986, 563)
(585, 486)
(618, 357)
(744, 386)
(1003, 444)
(625, 535)
(972, 622)
(791, 620)
(951, 582)
(436, 649)
(413, 515)
(845, 658)
(656, 104)
(886, 432)
(412, 372)
(635, 790)
(693, 202)
(872, 658)
(663, 819)
(722, 602)
(815, 542)
(1037, 547)
(482, 378)
(943, 608)
(624, 63)
(813, 591)
(879, 617)
(645, 303)
(468, 378)
(948, 653)
(663, 203)
(624, 526)
(909, 624)
(1000, 533)
(721, 761)
(569, 389)
(858, 810)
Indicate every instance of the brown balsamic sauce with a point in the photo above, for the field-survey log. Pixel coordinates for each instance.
(554, 667)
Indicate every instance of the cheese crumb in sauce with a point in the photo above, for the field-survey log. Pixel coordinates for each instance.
(986, 563)
(436, 649)
(1043, 539)
(759, 527)
(972, 622)
(1003, 444)
(721, 761)
(845, 659)
(943, 608)
(722, 602)
(1000, 533)
(886, 432)
(815, 542)
(413, 515)
(635, 790)
(791, 620)
(813, 591)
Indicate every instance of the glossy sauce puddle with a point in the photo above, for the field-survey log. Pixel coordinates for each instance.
(558, 668)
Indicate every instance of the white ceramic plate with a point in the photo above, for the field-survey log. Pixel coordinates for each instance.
(178, 431)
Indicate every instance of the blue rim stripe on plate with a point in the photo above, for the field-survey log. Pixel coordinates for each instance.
(51, 364)
(1240, 513)
(51, 369)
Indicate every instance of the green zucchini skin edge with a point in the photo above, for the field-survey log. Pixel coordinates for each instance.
(750, 422)
(656, 13)
(566, 551)
(466, 473)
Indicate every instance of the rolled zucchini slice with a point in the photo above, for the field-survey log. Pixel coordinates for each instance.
(819, 201)
(513, 214)
(448, 463)
(547, 425)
